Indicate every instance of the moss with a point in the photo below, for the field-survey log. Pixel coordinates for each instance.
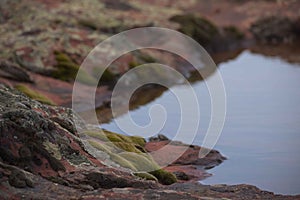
(107, 75)
(67, 70)
(85, 78)
(147, 58)
(164, 177)
(138, 140)
(145, 175)
(132, 64)
(234, 32)
(129, 147)
(88, 23)
(114, 137)
(96, 134)
(100, 146)
(33, 94)
(122, 161)
(199, 28)
(139, 161)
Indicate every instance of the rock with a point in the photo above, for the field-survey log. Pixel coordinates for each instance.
(158, 138)
(214, 39)
(275, 29)
(13, 71)
(19, 179)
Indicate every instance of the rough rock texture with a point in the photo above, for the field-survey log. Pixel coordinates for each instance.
(42, 157)
(276, 29)
(188, 166)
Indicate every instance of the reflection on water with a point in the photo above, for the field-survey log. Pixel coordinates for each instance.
(261, 136)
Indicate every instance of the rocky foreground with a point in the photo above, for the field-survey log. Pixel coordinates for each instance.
(42, 156)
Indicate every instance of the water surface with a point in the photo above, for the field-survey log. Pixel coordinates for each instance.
(261, 136)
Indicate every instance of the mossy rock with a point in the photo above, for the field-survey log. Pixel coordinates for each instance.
(107, 75)
(86, 78)
(146, 58)
(34, 95)
(140, 161)
(138, 140)
(199, 28)
(67, 70)
(132, 64)
(146, 176)
(234, 32)
(96, 134)
(100, 146)
(115, 137)
(122, 161)
(164, 177)
(125, 146)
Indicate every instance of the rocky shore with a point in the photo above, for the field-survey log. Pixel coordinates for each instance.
(42, 156)
(43, 43)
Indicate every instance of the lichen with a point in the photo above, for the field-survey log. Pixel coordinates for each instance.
(53, 149)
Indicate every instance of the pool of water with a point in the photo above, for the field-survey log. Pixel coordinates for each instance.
(261, 135)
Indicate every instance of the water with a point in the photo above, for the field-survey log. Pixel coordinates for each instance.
(261, 136)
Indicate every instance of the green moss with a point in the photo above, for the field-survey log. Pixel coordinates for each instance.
(122, 161)
(139, 161)
(138, 140)
(61, 57)
(67, 70)
(147, 58)
(145, 175)
(199, 28)
(132, 64)
(96, 134)
(234, 32)
(164, 177)
(107, 75)
(85, 78)
(88, 23)
(100, 146)
(114, 137)
(33, 94)
(129, 147)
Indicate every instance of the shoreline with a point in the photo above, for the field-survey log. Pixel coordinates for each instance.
(42, 155)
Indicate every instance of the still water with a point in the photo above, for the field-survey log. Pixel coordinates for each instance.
(261, 135)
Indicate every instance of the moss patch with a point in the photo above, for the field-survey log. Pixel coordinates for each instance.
(199, 28)
(107, 75)
(234, 32)
(67, 70)
(140, 162)
(164, 177)
(122, 161)
(96, 134)
(33, 94)
(138, 140)
(100, 146)
(129, 147)
(145, 175)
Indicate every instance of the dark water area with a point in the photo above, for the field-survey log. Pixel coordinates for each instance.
(261, 135)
